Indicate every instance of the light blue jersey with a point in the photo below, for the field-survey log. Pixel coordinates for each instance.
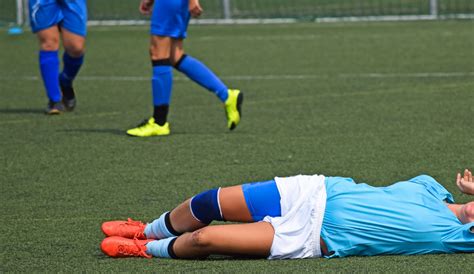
(409, 217)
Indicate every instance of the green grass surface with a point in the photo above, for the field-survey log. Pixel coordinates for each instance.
(378, 102)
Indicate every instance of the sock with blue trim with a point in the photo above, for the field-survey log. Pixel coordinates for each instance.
(201, 74)
(49, 67)
(72, 66)
(162, 84)
(161, 228)
(161, 248)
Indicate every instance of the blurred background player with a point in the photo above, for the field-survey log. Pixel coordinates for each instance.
(306, 217)
(169, 22)
(51, 20)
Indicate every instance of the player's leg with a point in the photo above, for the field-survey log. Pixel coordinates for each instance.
(163, 28)
(205, 77)
(223, 204)
(198, 71)
(243, 203)
(49, 67)
(43, 20)
(197, 212)
(73, 58)
(74, 30)
(162, 83)
(253, 239)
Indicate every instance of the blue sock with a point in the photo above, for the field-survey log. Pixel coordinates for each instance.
(162, 82)
(72, 66)
(201, 74)
(160, 228)
(49, 67)
(160, 248)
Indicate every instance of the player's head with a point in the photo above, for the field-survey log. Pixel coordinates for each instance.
(467, 213)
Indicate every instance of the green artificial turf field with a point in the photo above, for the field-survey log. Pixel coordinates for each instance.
(379, 102)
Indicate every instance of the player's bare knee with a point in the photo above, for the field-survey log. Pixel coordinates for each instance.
(49, 44)
(75, 50)
(201, 238)
(157, 54)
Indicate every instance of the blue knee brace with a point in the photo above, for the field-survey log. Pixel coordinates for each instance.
(205, 206)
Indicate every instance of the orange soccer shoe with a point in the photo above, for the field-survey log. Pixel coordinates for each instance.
(119, 247)
(128, 229)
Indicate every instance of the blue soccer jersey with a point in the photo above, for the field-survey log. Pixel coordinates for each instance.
(408, 217)
(69, 14)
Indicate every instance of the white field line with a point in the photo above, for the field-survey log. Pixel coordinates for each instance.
(309, 37)
(195, 22)
(255, 21)
(263, 77)
(291, 37)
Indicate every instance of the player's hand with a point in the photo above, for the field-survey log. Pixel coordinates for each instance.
(466, 182)
(146, 7)
(195, 8)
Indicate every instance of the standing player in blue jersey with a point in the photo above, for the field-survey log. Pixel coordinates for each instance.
(306, 217)
(52, 21)
(169, 22)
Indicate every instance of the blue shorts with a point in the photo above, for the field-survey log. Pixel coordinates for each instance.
(170, 18)
(263, 199)
(69, 14)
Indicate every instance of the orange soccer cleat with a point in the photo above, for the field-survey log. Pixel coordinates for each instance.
(128, 229)
(119, 247)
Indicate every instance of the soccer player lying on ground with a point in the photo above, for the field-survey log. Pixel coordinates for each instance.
(50, 20)
(169, 22)
(304, 217)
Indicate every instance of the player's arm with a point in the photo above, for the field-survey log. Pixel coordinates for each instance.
(195, 8)
(146, 7)
(466, 182)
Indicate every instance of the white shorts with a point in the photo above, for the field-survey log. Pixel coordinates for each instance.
(297, 231)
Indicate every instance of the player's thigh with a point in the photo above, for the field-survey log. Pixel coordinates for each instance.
(75, 16)
(254, 239)
(49, 38)
(73, 43)
(44, 14)
(233, 205)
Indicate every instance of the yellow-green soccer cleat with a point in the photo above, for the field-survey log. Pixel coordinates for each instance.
(149, 128)
(233, 108)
